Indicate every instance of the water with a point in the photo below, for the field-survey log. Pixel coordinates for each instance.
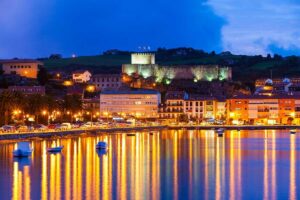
(165, 165)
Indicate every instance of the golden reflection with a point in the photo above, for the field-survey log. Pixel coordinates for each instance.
(79, 169)
(155, 167)
(104, 175)
(123, 168)
(26, 182)
(219, 183)
(175, 165)
(206, 166)
(190, 158)
(266, 173)
(239, 166)
(21, 179)
(44, 195)
(88, 167)
(68, 170)
(273, 169)
(74, 182)
(16, 188)
(293, 185)
(232, 167)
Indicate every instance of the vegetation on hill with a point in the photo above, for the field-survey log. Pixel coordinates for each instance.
(245, 68)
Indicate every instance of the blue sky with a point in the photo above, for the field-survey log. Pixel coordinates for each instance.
(37, 28)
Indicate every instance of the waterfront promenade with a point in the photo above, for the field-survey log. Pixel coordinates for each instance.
(113, 130)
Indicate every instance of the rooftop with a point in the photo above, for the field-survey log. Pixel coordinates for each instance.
(273, 96)
(133, 91)
(8, 61)
(81, 71)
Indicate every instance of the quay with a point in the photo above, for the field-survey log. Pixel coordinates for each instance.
(117, 130)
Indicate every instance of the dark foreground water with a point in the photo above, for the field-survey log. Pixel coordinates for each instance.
(165, 165)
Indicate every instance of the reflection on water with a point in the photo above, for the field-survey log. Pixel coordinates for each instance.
(165, 165)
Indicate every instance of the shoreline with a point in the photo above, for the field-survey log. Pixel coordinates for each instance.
(77, 132)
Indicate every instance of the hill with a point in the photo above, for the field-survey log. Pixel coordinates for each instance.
(245, 68)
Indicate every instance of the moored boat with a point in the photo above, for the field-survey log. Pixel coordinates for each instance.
(23, 150)
(101, 145)
(55, 149)
(220, 132)
(293, 131)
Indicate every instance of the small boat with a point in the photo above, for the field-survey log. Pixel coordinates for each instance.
(220, 132)
(23, 150)
(55, 149)
(101, 145)
(130, 134)
(101, 152)
(293, 131)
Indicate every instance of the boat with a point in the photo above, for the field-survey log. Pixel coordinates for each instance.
(55, 149)
(101, 152)
(220, 132)
(23, 150)
(130, 134)
(293, 131)
(101, 145)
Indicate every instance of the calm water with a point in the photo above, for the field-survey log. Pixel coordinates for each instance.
(165, 165)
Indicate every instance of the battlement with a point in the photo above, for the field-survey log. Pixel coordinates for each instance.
(143, 58)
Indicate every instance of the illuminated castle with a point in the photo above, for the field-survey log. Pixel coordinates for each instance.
(143, 64)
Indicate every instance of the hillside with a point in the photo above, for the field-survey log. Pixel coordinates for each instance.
(245, 68)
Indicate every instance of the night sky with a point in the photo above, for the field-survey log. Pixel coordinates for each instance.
(37, 28)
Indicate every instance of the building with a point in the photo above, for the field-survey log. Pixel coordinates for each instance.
(28, 90)
(201, 108)
(23, 67)
(281, 109)
(106, 81)
(144, 65)
(81, 76)
(172, 108)
(130, 103)
(277, 86)
(91, 104)
(143, 58)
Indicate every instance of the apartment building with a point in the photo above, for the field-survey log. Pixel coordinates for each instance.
(263, 110)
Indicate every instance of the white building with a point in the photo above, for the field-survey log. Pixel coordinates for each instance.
(137, 103)
(200, 108)
(81, 76)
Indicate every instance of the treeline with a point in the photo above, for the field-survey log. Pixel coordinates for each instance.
(38, 106)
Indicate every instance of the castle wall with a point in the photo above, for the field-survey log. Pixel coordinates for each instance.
(199, 72)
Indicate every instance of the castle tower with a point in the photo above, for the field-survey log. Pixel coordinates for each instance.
(143, 58)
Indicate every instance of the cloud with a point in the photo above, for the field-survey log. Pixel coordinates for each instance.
(253, 26)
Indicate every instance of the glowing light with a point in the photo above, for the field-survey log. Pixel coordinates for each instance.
(68, 83)
(292, 114)
(90, 88)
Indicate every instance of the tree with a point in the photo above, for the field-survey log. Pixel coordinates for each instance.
(72, 103)
(42, 76)
(183, 118)
(35, 105)
(10, 101)
(55, 56)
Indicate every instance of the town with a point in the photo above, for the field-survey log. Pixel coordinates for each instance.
(143, 92)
